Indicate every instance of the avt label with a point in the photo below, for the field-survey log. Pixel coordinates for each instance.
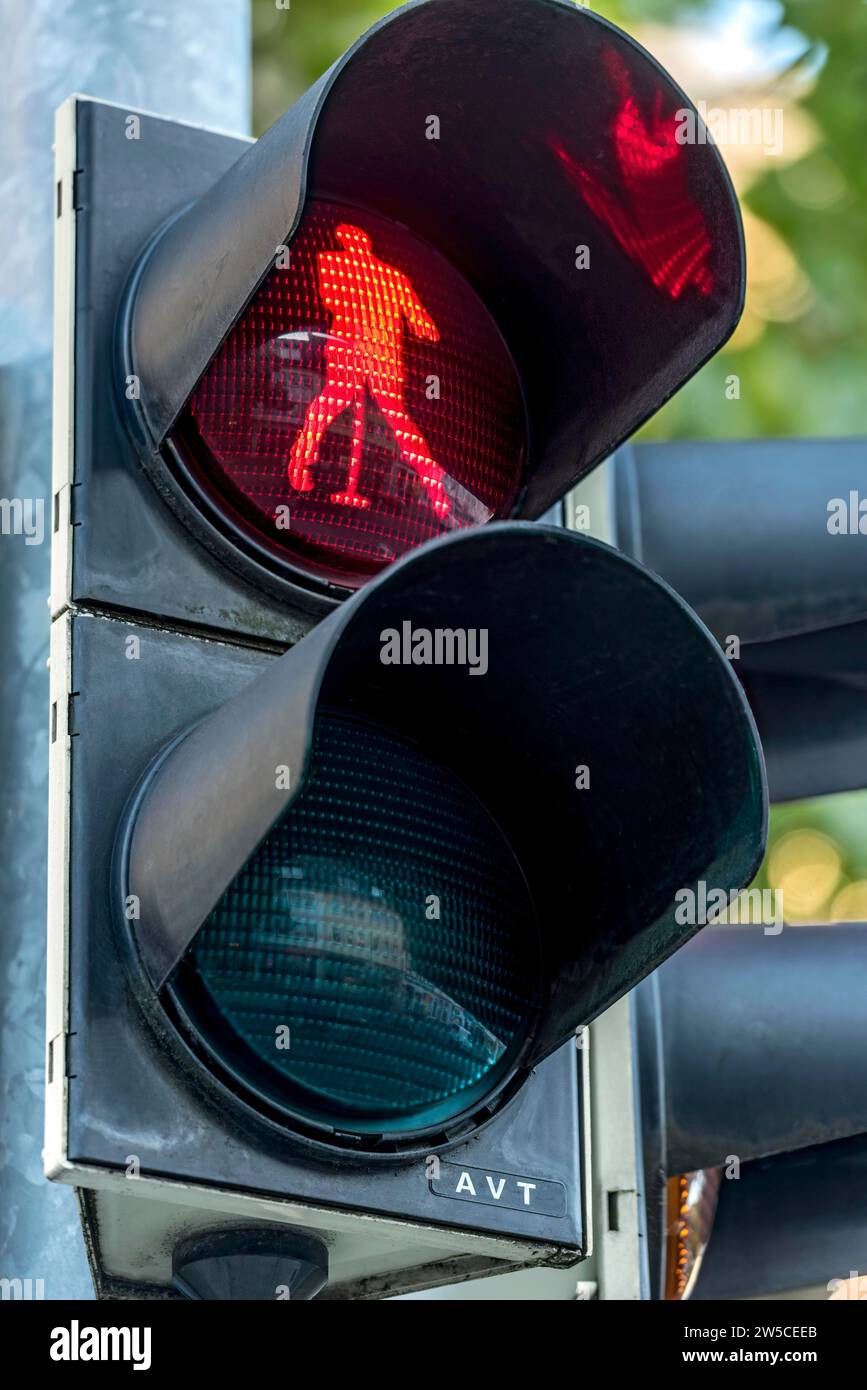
(500, 1189)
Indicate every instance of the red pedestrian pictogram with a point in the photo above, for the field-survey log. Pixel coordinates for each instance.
(370, 303)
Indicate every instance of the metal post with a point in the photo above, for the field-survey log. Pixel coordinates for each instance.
(190, 62)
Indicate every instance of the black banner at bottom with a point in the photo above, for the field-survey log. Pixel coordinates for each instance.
(224, 1339)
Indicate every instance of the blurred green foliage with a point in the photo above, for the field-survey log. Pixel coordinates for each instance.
(294, 46)
(806, 377)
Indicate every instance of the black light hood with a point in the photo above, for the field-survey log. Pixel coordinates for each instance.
(525, 170)
(592, 661)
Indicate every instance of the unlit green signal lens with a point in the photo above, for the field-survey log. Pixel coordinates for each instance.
(377, 956)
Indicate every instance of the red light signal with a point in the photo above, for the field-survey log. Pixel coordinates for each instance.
(313, 403)
(370, 302)
(365, 402)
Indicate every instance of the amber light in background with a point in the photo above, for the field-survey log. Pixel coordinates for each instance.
(691, 1201)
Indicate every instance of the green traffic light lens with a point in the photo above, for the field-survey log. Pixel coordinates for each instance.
(375, 964)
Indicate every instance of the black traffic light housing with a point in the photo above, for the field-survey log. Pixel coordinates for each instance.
(145, 1121)
(517, 736)
(751, 1044)
(166, 745)
(603, 864)
(794, 1225)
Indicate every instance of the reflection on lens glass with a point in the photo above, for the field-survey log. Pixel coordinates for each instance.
(378, 954)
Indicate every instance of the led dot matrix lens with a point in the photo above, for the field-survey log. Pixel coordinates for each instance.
(375, 965)
(364, 403)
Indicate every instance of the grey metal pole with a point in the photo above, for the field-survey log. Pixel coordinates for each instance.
(190, 61)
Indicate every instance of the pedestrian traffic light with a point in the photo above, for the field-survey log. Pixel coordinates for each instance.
(326, 922)
(548, 261)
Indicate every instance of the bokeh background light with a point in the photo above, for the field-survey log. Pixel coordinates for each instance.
(817, 858)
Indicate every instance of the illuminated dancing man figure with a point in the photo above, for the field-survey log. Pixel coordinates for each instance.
(369, 302)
